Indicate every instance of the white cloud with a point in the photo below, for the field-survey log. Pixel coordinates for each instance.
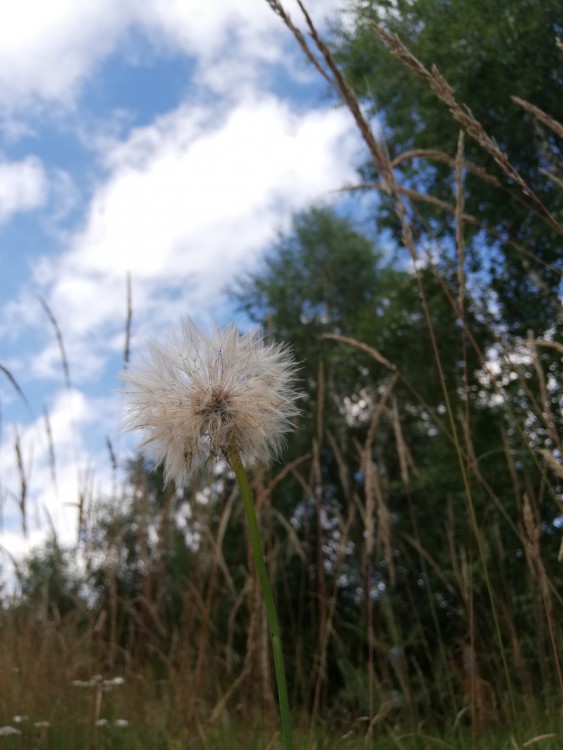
(190, 201)
(23, 187)
(48, 48)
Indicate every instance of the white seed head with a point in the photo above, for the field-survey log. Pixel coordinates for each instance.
(197, 396)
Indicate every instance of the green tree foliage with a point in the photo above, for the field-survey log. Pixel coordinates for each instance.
(487, 52)
(323, 277)
(48, 582)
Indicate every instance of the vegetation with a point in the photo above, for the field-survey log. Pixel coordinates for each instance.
(413, 530)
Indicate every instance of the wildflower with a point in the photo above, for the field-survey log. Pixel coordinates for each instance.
(7, 730)
(41, 724)
(19, 719)
(113, 682)
(121, 723)
(102, 723)
(198, 397)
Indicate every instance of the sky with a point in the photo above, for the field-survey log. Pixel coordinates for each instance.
(169, 141)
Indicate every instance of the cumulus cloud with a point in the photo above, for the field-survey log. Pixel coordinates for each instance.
(190, 201)
(23, 186)
(49, 48)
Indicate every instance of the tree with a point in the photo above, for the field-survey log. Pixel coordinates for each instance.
(486, 52)
(324, 277)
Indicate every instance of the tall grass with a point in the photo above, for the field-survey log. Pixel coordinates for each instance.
(472, 661)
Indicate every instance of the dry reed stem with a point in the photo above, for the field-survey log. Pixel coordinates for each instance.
(459, 205)
(280, 11)
(539, 738)
(540, 115)
(50, 447)
(377, 149)
(462, 115)
(553, 177)
(364, 347)
(22, 499)
(552, 462)
(545, 407)
(375, 502)
(406, 461)
(418, 197)
(60, 342)
(437, 155)
(15, 385)
(328, 631)
(128, 322)
(550, 344)
(532, 532)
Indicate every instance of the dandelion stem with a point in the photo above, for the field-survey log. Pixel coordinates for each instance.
(254, 533)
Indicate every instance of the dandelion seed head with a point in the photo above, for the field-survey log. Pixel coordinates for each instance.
(196, 396)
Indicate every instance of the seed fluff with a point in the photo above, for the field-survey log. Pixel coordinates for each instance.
(198, 396)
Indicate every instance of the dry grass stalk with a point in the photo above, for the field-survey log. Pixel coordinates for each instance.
(405, 458)
(459, 204)
(540, 115)
(462, 115)
(437, 155)
(553, 177)
(545, 409)
(550, 344)
(60, 342)
(22, 500)
(376, 149)
(50, 446)
(364, 347)
(128, 322)
(531, 537)
(15, 385)
(552, 462)
(416, 196)
(375, 502)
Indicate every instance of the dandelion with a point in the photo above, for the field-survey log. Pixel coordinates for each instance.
(227, 395)
(198, 397)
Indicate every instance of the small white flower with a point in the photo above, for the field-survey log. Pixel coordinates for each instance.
(41, 724)
(20, 719)
(199, 396)
(7, 730)
(122, 723)
(113, 682)
(102, 723)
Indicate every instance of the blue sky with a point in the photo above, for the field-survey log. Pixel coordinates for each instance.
(170, 140)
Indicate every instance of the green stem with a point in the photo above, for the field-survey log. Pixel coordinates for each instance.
(254, 533)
